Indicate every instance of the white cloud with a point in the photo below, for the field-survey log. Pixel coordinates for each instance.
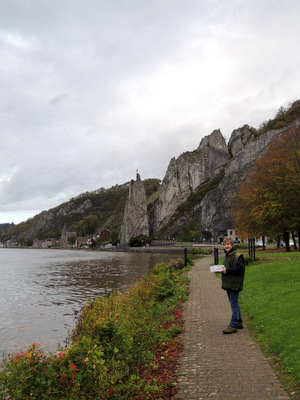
(92, 90)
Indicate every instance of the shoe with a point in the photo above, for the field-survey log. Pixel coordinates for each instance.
(229, 329)
(240, 325)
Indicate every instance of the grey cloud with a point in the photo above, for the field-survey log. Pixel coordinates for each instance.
(90, 91)
(60, 98)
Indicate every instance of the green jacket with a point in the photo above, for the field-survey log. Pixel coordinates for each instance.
(235, 271)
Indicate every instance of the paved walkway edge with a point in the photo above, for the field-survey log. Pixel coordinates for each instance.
(214, 365)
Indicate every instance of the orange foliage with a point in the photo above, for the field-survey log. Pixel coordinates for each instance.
(268, 201)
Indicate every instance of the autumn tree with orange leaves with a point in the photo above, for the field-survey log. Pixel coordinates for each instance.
(268, 201)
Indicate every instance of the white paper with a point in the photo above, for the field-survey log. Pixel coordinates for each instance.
(216, 268)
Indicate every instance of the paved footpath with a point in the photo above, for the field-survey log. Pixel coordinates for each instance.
(214, 365)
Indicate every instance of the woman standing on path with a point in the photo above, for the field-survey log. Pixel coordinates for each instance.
(232, 281)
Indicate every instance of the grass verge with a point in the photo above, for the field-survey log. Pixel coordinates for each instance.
(271, 300)
(122, 348)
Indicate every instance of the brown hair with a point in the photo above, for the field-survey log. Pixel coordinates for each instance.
(228, 239)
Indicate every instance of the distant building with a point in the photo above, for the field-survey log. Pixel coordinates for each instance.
(65, 239)
(49, 242)
(82, 241)
(12, 243)
(232, 233)
(44, 243)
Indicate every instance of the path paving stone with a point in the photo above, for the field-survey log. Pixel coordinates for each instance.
(214, 365)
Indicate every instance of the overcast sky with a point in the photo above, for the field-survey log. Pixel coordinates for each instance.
(92, 90)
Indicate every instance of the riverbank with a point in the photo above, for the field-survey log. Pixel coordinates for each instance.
(114, 346)
(179, 248)
(140, 331)
(44, 290)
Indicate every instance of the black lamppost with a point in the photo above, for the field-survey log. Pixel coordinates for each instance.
(251, 243)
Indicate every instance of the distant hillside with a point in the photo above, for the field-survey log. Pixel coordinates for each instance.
(86, 214)
(192, 200)
(5, 227)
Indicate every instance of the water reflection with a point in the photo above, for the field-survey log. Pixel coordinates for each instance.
(41, 291)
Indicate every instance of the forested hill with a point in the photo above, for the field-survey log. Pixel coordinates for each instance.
(6, 227)
(84, 214)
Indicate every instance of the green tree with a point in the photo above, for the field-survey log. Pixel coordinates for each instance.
(139, 241)
(88, 225)
(72, 239)
(282, 118)
(114, 237)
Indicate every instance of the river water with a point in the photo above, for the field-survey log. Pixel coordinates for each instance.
(42, 290)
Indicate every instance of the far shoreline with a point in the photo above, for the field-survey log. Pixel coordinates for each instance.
(180, 248)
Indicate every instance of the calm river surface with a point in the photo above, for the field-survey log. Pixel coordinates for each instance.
(42, 290)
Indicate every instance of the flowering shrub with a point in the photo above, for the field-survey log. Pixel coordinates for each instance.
(113, 351)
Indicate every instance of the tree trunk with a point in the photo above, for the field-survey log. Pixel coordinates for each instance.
(286, 238)
(294, 240)
(264, 242)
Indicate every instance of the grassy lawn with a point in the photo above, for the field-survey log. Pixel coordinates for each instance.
(271, 300)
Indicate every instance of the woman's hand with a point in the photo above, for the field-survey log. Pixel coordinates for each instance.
(224, 270)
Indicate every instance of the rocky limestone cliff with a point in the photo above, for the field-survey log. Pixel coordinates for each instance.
(195, 194)
(187, 173)
(135, 220)
(192, 171)
(215, 207)
(239, 139)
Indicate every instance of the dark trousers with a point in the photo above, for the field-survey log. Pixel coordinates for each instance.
(233, 296)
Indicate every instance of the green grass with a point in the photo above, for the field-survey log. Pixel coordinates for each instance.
(271, 299)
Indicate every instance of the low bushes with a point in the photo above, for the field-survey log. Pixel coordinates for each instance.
(115, 341)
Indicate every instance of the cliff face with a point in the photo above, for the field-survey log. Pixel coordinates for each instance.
(195, 194)
(194, 171)
(187, 173)
(135, 220)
